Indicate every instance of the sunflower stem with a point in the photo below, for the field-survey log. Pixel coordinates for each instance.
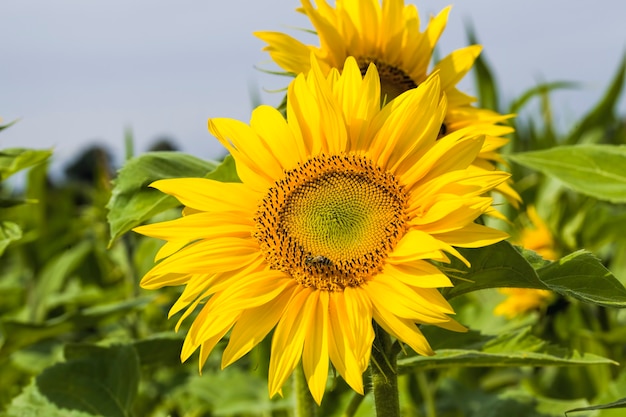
(384, 370)
(305, 404)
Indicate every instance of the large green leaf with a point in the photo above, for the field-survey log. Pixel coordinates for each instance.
(16, 159)
(9, 232)
(581, 275)
(510, 349)
(98, 380)
(32, 403)
(598, 171)
(133, 201)
(160, 350)
(471, 401)
(494, 266)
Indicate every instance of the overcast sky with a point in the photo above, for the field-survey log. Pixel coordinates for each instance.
(79, 71)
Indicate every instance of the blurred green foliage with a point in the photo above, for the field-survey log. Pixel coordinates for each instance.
(78, 337)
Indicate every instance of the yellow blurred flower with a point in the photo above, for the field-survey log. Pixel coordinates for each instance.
(340, 207)
(519, 301)
(538, 236)
(389, 36)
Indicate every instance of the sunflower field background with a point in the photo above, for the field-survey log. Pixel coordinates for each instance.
(547, 328)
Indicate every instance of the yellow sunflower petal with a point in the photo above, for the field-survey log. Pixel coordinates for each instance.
(418, 273)
(255, 162)
(190, 344)
(467, 183)
(170, 248)
(448, 155)
(452, 325)
(327, 32)
(217, 255)
(420, 245)
(253, 325)
(209, 195)
(473, 236)
(207, 346)
(332, 126)
(448, 214)
(360, 108)
(195, 288)
(454, 66)
(390, 24)
(251, 291)
(350, 335)
(287, 52)
(289, 336)
(424, 305)
(315, 353)
(273, 130)
(402, 329)
(413, 125)
(200, 226)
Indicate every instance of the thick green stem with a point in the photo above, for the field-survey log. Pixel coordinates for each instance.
(305, 404)
(384, 371)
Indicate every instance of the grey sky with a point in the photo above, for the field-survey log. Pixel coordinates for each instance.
(77, 71)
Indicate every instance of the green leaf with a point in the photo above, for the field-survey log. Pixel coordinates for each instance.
(160, 350)
(9, 232)
(213, 394)
(133, 202)
(471, 401)
(98, 380)
(55, 274)
(15, 335)
(32, 403)
(494, 266)
(510, 349)
(598, 171)
(16, 159)
(615, 404)
(226, 171)
(581, 275)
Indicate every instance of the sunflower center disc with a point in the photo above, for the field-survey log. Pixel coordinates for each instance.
(393, 81)
(331, 222)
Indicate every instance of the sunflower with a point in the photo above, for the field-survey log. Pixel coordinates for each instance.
(340, 208)
(536, 237)
(389, 36)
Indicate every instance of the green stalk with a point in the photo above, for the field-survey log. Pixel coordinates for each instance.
(305, 404)
(384, 369)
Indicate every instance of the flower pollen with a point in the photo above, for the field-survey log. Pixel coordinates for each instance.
(331, 221)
